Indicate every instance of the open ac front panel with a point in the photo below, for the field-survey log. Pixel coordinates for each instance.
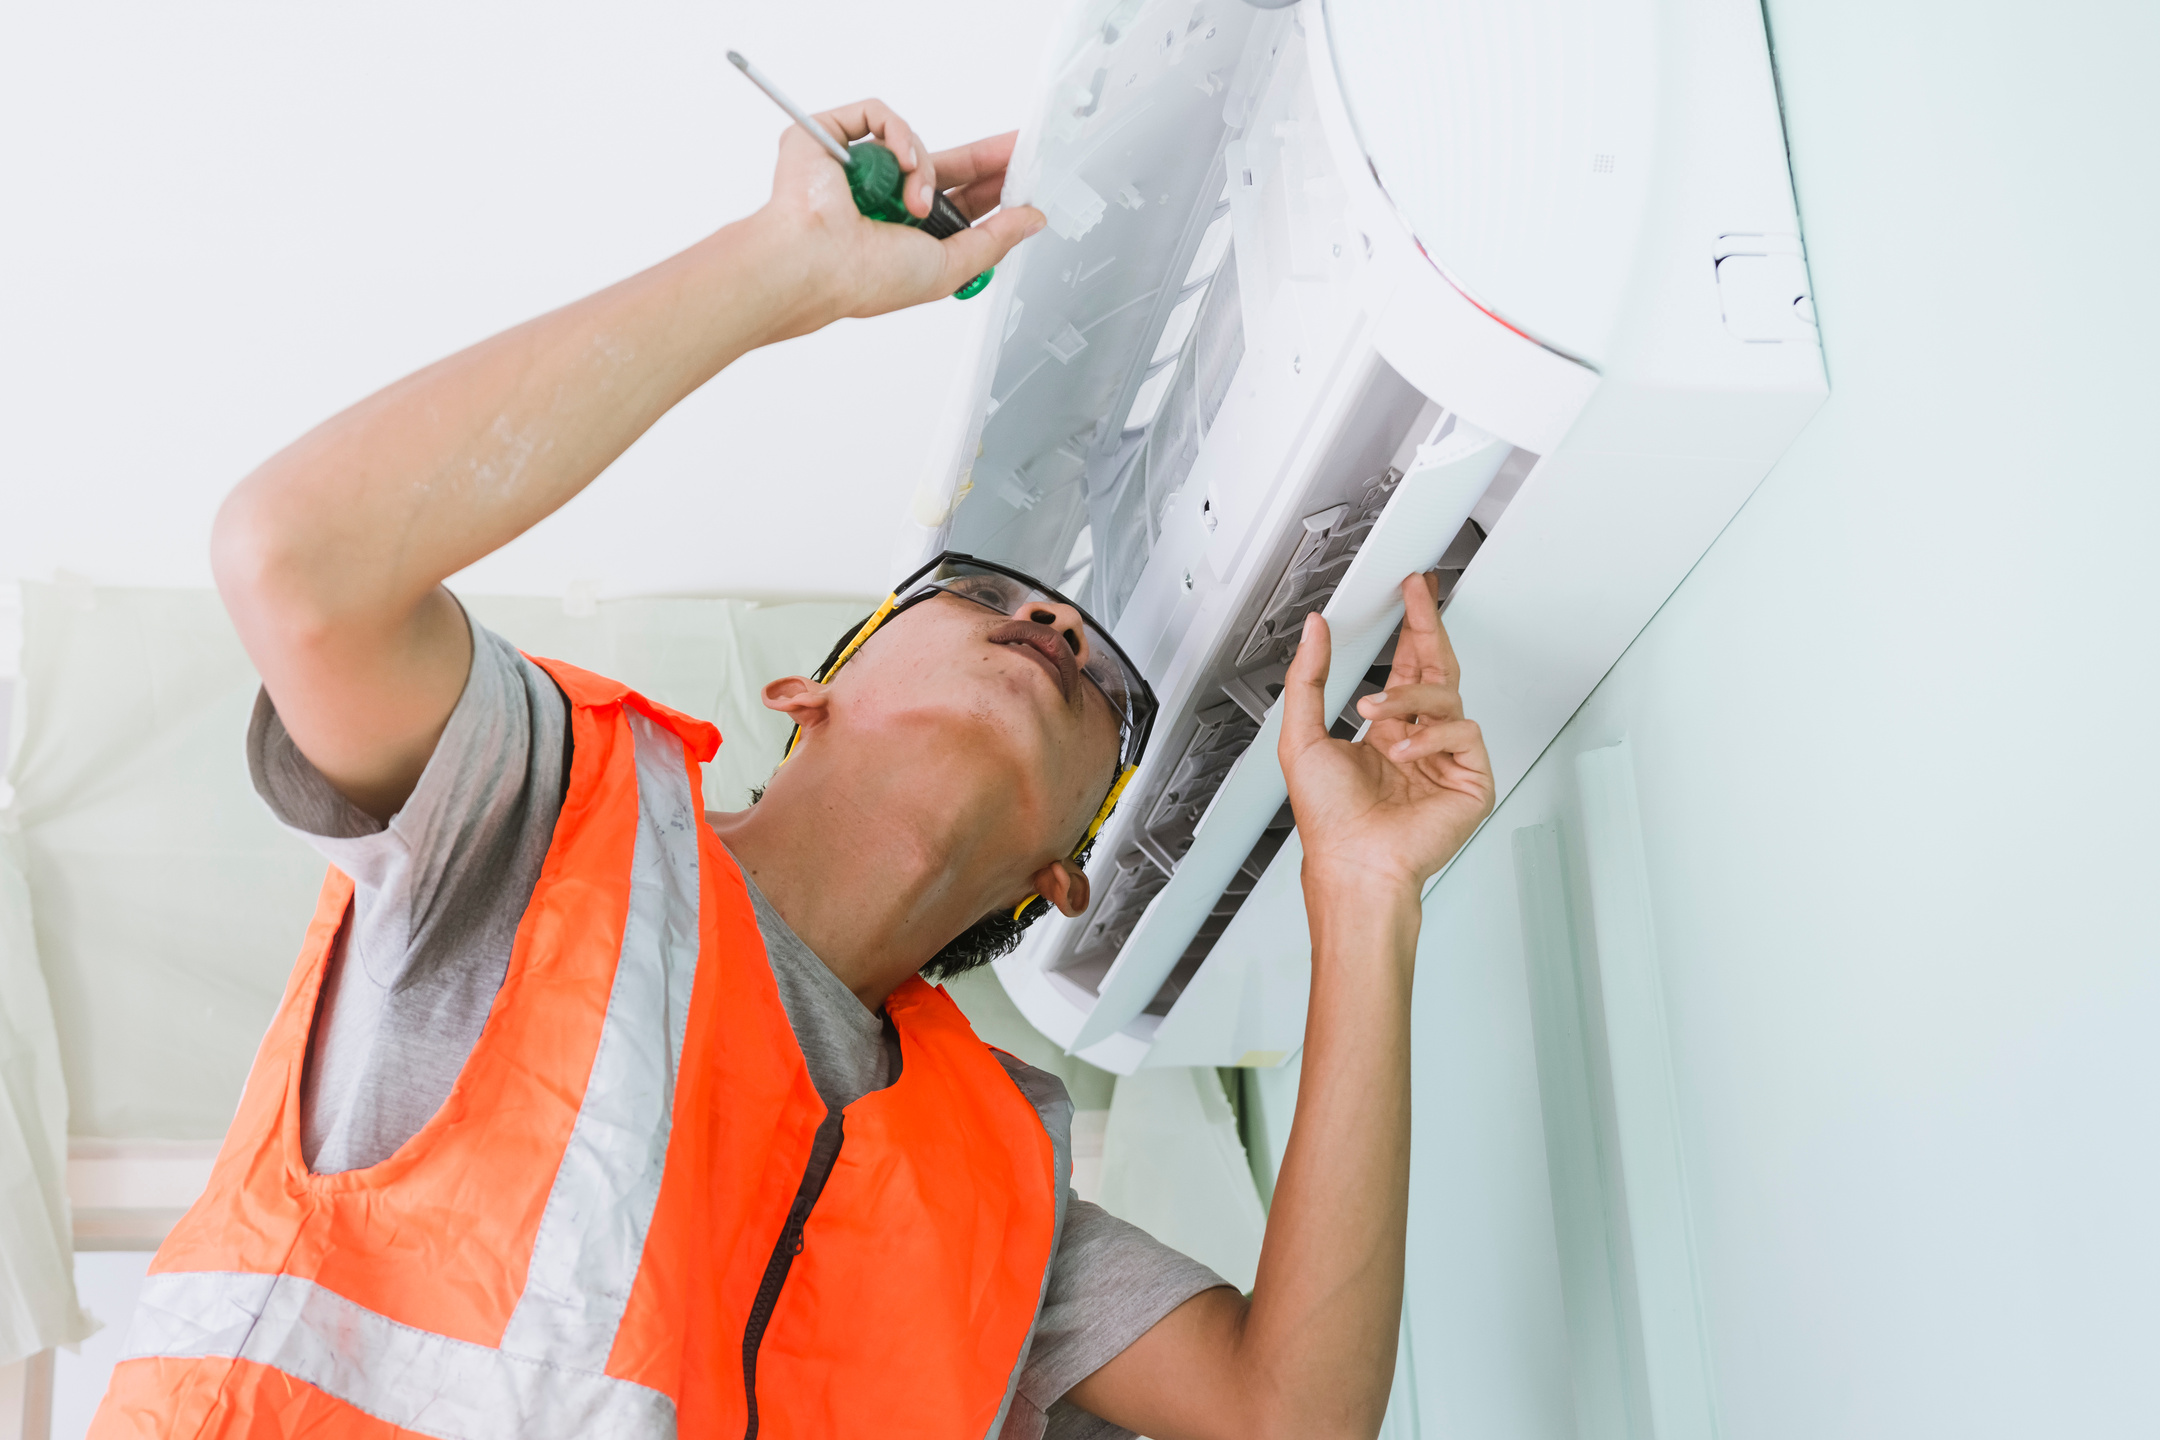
(1508, 288)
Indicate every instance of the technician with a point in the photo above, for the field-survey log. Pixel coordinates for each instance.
(587, 1113)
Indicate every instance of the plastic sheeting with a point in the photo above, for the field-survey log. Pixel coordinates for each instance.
(38, 1308)
(168, 906)
(991, 1011)
(1170, 1159)
(1174, 1166)
(1270, 1099)
(1162, 1148)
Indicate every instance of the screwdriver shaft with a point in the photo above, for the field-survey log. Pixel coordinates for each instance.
(795, 112)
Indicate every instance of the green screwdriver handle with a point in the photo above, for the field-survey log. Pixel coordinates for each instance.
(874, 179)
(873, 176)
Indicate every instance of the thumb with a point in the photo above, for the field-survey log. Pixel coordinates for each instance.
(1304, 696)
(979, 247)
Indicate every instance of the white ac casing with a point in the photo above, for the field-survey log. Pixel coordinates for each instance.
(1533, 264)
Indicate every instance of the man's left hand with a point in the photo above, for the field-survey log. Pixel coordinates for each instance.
(1393, 807)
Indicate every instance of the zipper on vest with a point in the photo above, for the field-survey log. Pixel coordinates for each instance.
(824, 1152)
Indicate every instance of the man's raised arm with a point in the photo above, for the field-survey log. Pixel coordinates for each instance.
(331, 556)
(1311, 1354)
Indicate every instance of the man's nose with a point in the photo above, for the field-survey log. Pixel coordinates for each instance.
(1064, 619)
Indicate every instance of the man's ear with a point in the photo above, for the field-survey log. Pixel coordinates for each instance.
(801, 699)
(1065, 885)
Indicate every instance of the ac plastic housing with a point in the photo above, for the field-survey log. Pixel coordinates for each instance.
(1329, 295)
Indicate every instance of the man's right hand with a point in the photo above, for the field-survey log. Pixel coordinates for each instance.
(331, 556)
(854, 266)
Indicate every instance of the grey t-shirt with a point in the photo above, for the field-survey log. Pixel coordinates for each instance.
(438, 894)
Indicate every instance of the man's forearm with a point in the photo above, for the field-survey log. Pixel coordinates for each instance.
(1312, 1352)
(331, 556)
(369, 511)
(1319, 1338)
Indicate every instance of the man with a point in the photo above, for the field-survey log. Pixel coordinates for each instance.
(587, 1114)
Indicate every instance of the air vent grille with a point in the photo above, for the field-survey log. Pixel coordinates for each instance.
(1330, 543)
(1220, 735)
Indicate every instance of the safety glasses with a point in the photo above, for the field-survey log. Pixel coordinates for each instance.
(1010, 592)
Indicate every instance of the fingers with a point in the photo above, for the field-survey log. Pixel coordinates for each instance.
(1304, 696)
(979, 247)
(973, 163)
(870, 117)
(1413, 702)
(1450, 668)
(1437, 650)
(920, 181)
(1460, 739)
(1423, 653)
(973, 176)
(978, 199)
(874, 117)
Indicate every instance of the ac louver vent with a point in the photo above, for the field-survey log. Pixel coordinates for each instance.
(1221, 733)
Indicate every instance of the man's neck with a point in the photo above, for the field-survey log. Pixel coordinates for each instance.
(871, 882)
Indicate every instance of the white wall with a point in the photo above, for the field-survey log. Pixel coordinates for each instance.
(1893, 745)
(229, 220)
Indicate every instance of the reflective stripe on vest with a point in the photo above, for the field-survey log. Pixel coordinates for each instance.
(545, 1378)
(429, 1384)
(592, 1235)
(574, 1243)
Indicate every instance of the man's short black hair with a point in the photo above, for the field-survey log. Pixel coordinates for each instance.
(997, 933)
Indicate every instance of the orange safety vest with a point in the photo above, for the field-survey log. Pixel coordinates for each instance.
(633, 1215)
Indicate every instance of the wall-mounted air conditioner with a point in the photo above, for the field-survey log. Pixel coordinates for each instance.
(1331, 294)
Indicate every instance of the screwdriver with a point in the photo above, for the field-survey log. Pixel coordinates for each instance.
(873, 176)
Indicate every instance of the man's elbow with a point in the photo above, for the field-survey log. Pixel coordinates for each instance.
(269, 575)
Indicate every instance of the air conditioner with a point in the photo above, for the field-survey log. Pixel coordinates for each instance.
(1332, 294)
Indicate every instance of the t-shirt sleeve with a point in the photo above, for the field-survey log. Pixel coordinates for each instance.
(438, 893)
(1109, 1283)
(507, 731)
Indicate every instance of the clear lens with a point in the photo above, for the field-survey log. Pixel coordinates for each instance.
(1001, 593)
